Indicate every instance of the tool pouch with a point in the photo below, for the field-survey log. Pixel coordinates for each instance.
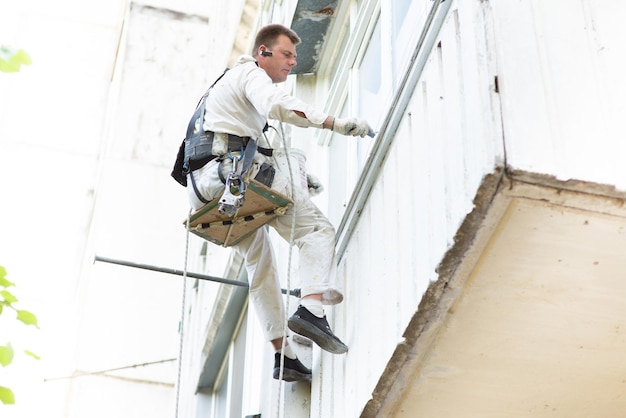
(194, 152)
(178, 171)
(198, 146)
(266, 174)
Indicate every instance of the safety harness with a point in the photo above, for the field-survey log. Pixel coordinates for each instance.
(201, 147)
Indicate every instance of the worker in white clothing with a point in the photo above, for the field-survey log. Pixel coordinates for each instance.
(237, 108)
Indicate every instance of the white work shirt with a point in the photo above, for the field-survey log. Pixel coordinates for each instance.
(245, 98)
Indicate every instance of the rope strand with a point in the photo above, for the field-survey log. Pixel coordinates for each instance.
(281, 400)
(182, 316)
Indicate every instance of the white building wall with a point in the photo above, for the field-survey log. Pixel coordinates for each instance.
(447, 140)
(563, 89)
(161, 60)
(88, 136)
(559, 118)
(163, 63)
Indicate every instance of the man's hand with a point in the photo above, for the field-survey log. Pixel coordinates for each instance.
(352, 126)
(315, 186)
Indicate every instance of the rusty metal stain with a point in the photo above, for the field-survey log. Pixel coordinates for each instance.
(326, 11)
(320, 14)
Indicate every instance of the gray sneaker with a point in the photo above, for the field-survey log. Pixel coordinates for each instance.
(317, 329)
(293, 370)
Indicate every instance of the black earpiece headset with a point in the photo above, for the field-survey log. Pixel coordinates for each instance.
(266, 53)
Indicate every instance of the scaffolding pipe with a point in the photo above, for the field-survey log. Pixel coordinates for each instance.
(294, 292)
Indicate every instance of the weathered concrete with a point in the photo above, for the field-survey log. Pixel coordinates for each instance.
(522, 306)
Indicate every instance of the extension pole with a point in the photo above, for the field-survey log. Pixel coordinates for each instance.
(294, 292)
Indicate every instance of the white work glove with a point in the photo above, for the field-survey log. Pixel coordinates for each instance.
(353, 127)
(315, 186)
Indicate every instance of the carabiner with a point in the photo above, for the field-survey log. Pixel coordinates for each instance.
(240, 156)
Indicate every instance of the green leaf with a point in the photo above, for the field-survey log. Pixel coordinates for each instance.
(27, 317)
(8, 296)
(4, 282)
(6, 354)
(33, 355)
(6, 396)
(11, 59)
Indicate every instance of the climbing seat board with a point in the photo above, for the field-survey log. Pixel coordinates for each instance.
(260, 206)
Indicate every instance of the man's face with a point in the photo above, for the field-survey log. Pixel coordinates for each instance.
(283, 59)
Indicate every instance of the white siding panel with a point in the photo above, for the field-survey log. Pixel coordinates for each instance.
(562, 72)
(434, 193)
(423, 232)
(441, 151)
(450, 94)
(518, 81)
(481, 116)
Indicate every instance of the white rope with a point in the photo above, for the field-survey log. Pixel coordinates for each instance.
(281, 386)
(182, 316)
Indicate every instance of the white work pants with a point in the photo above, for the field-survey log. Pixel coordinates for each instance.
(314, 236)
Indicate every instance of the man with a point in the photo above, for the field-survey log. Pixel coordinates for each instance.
(239, 105)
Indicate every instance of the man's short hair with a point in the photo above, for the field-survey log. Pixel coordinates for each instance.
(268, 35)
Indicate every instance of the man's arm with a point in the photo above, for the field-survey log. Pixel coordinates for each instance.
(352, 126)
(327, 124)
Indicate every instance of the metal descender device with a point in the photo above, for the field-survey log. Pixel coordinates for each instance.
(235, 190)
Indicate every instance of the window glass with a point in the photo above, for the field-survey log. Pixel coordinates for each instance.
(407, 19)
(399, 14)
(371, 94)
(221, 396)
(370, 79)
(342, 175)
(365, 100)
(382, 60)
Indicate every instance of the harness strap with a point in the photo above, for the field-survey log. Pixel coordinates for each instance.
(234, 143)
(195, 188)
(248, 157)
(219, 171)
(199, 113)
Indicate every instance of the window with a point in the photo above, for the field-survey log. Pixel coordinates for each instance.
(388, 33)
(370, 92)
(342, 174)
(407, 19)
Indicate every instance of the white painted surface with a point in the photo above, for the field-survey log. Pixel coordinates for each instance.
(538, 327)
(445, 144)
(561, 67)
(551, 122)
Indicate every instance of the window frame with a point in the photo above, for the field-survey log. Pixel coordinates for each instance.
(336, 75)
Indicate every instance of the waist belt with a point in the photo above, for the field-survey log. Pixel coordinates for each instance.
(198, 148)
(199, 154)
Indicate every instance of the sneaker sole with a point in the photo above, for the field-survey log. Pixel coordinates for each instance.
(290, 375)
(324, 341)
